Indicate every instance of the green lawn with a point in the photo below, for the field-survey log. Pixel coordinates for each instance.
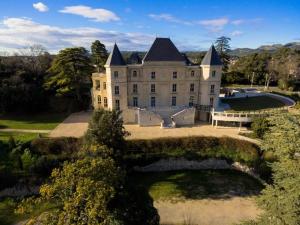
(45, 121)
(23, 137)
(9, 217)
(253, 103)
(197, 184)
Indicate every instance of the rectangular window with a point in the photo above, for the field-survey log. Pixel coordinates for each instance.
(99, 99)
(135, 102)
(105, 102)
(152, 101)
(212, 89)
(173, 101)
(192, 73)
(213, 73)
(117, 90)
(134, 73)
(97, 83)
(211, 101)
(191, 101)
(135, 88)
(104, 85)
(152, 88)
(152, 75)
(117, 104)
(174, 88)
(116, 74)
(174, 75)
(192, 87)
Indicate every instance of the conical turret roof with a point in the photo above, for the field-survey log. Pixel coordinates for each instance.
(115, 58)
(212, 58)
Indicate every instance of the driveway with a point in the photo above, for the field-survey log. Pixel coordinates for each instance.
(77, 123)
(74, 125)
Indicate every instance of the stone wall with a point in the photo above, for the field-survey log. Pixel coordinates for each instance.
(184, 164)
(185, 117)
(130, 116)
(148, 118)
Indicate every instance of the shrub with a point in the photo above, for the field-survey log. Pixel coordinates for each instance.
(146, 151)
(56, 146)
(259, 127)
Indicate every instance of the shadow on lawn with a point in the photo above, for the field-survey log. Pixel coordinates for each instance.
(198, 184)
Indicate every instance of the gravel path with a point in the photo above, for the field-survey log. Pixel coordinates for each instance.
(77, 123)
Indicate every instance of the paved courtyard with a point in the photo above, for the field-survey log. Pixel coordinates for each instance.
(77, 123)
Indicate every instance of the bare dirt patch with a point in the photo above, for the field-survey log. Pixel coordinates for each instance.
(207, 211)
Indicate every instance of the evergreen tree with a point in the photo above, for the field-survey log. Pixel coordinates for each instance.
(106, 128)
(70, 69)
(281, 199)
(99, 54)
(223, 47)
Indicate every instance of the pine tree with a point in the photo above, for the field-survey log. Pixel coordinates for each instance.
(99, 54)
(223, 47)
(70, 69)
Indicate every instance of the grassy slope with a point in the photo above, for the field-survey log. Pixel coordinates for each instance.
(23, 137)
(34, 122)
(253, 103)
(197, 184)
(9, 217)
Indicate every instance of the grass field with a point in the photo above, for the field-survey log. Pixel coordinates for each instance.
(23, 137)
(46, 121)
(197, 184)
(253, 103)
(9, 217)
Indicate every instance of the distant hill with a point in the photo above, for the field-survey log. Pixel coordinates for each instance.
(246, 51)
(196, 56)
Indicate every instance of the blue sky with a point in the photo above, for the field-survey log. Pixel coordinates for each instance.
(192, 25)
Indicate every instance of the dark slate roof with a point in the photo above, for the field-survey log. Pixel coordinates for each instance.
(134, 58)
(186, 59)
(115, 58)
(212, 57)
(163, 49)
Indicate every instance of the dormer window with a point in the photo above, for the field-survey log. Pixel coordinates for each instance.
(192, 73)
(174, 75)
(116, 74)
(213, 73)
(152, 75)
(134, 73)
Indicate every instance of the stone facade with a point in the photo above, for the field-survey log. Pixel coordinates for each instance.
(163, 88)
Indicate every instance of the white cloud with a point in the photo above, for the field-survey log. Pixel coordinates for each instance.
(16, 33)
(169, 18)
(41, 7)
(214, 25)
(246, 21)
(237, 22)
(98, 15)
(236, 33)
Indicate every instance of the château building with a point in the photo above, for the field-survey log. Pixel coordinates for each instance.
(163, 88)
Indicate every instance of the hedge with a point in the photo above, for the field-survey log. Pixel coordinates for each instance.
(56, 146)
(200, 147)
